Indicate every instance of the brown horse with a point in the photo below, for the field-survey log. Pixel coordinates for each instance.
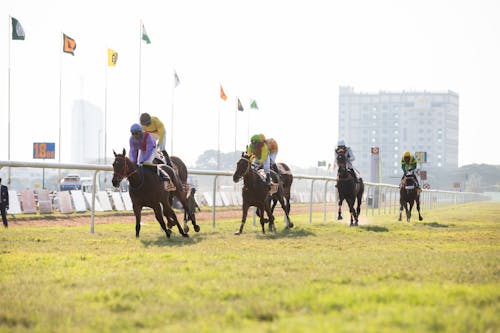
(255, 193)
(282, 195)
(180, 172)
(145, 190)
(348, 188)
(409, 195)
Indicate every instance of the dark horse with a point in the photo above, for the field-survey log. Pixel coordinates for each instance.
(255, 193)
(348, 188)
(146, 190)
(408, 195)
(181, 192)
(282, 195)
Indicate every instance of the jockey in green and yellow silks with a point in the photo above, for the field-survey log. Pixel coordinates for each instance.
(259, 154)
(409, 164)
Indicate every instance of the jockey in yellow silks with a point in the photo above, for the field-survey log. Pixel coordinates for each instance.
(155, 127)
(409, 164)
(259, 154)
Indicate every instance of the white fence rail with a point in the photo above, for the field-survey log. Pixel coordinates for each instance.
(380, 198)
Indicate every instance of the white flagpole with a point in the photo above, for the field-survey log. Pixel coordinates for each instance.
(172, 116)
(8, 110)
(140, 64)
(106, 113)
(218, 137)
(236, 122)
(60, 94)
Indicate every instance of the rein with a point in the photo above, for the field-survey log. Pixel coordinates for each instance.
(126, 172)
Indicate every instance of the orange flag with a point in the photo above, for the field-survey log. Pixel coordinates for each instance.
(69, 45)
(222, 94)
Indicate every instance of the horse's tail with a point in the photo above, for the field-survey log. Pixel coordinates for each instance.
(287, 177)
(181, 168)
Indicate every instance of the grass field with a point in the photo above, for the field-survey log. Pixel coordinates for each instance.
(438, 275)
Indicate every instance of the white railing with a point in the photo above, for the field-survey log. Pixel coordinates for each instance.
(377, 197)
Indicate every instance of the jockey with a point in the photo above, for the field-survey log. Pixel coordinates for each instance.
(143, 148)
(409, 164)
(272, 146)
(349, 156)
(259, 154)
(155, 127)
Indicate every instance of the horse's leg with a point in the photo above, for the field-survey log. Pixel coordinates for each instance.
(352, 211)
(183, 201)
(401, 203)
(267, 208)
(339, 217)
(159, 218)
(420, 218)
(284, 206)
(137, 213)
(408, 212)
(243, 218)
(172, 217)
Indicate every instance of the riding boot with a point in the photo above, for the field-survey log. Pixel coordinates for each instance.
(274, 167)
(167, 158)
(268, 179)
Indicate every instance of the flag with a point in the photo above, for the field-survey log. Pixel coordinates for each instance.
(253, 105)
(17, 30)
(240, 107)
(112, 57)
(222, 94)
(145, 35)
(69, 44)
(321, 163)
(176, 79)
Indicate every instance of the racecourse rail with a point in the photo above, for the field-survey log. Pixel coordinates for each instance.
(380, 198)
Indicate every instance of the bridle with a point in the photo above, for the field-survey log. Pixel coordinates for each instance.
(125, 172)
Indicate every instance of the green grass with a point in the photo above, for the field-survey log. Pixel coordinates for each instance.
(438, 275)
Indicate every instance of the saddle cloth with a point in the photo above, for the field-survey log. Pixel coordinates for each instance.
(274, 186)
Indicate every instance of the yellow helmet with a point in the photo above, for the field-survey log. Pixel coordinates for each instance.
(407, 154)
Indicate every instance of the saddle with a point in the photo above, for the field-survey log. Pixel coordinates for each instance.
(274, 185)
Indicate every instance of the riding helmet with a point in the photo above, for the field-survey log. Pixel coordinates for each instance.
(135, 128)
(145, 119)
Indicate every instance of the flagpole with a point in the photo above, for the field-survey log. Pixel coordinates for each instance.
(8, 110)
(218, 137)
(60, 98)
(172, 116)
(106, 114)
(236, 123)
(140, 63)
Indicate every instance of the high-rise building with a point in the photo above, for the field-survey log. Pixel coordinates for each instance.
(417, 121)
(87, 133)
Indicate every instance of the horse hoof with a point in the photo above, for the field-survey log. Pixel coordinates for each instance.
(168, 233)
(185, 235)
(186, 229)
(237, 233)
(290, 225)
(196, 228)
(420, 218)
(339, 218)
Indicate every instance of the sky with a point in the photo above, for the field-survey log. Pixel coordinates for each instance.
(290, 56)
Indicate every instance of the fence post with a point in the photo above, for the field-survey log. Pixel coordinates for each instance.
(325, 201)
(92, 214)
(214, 194)
(310, 201)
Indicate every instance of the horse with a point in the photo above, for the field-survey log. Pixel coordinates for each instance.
(146, 190)
(348, 188)
(282, 195)
(408, 196)
(180, 172)
(255, 193)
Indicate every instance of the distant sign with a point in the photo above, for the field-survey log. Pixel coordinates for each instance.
(375, 150)
(456, 185)
(44, 150)
(427, 186)
(421, 156)
(423, 174)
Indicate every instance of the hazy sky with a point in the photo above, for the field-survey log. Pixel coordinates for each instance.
(290, 56)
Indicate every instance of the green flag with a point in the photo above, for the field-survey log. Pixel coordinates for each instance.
(145, 35)
(17, 30)
(253, 105)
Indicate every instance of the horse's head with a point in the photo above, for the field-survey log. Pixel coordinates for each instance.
(122, 168)
(242, 167)
(409, 182)
(341, 157)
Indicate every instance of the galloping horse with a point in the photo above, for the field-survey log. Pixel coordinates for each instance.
(255, 193)
(408, 195)
(146, 190)
(282, 195)
(348, 188)
(180, 171)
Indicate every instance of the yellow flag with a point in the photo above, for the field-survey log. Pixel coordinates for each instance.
(112, 57)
